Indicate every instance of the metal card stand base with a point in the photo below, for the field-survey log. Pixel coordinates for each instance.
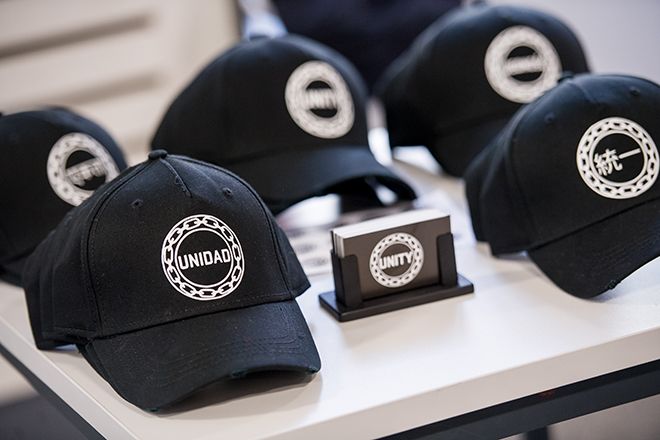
(346, 302)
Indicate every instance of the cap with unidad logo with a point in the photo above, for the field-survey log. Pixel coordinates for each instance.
(287, 115)
(52, 160)
(172, 277)
(573, 180)
(465, 76)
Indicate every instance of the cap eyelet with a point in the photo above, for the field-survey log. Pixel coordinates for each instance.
(228, 192)
(634, 91)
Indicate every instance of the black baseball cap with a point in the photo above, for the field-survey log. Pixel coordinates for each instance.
(52, 160)
(572, 180)
(286, 114)
(173, 276)
(467, 74)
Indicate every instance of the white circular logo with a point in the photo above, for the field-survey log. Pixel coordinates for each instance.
(202, 258)
(396, 260)
(319, 100)
(521, 64)
(77, 165)
(617, 158)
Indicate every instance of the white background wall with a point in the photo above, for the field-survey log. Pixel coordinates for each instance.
(118, 62)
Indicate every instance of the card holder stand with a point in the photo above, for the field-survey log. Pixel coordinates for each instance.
(346, 302)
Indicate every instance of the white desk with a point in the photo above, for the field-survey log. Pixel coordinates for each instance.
(516, 336)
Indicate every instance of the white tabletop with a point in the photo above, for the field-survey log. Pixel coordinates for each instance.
(515, 336)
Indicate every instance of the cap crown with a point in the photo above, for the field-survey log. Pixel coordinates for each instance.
(170, 239)
(476, 64)
(580, 154)
(267, 95)
(52, 161)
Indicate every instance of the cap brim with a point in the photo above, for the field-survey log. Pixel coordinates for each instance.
(455, 151)
(598, 257)
(286, 178)
(158, 366)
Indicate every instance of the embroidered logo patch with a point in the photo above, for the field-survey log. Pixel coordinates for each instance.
(617, 158)
(521, 64)
(202, 258)
(319, 100)
(77, 165)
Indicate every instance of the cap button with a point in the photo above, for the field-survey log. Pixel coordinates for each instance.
(566, 74)
(157, 154)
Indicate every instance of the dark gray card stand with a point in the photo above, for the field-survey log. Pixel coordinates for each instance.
(346, 302)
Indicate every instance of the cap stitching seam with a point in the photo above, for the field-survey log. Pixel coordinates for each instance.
(261, 206)
(273, 296)
(534, 243)
(95, 214)
(528, 213)
(529, 108)
(516, 178)
(586, 95)
(178, 181)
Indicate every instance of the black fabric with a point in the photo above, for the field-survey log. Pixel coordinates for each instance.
(437, 93)
(305, 178)
(158, 366)
(29, 206)
(600, 256)
(457, 150)
(370, 33)
(122, 263)
(235, 114)
(526, 192)
(490, 173)
(474, 176)
(11, 271)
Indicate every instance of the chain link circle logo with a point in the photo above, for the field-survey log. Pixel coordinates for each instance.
(598, 169)
(175, 264)
(411, 257)
(503, 66)
(68, 181)
(319, 100)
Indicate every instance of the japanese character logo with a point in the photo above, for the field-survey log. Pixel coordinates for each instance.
(617, 158)
(521, 64)
(319, 100)
(77, 165)
(202, 258)
(396, 260)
